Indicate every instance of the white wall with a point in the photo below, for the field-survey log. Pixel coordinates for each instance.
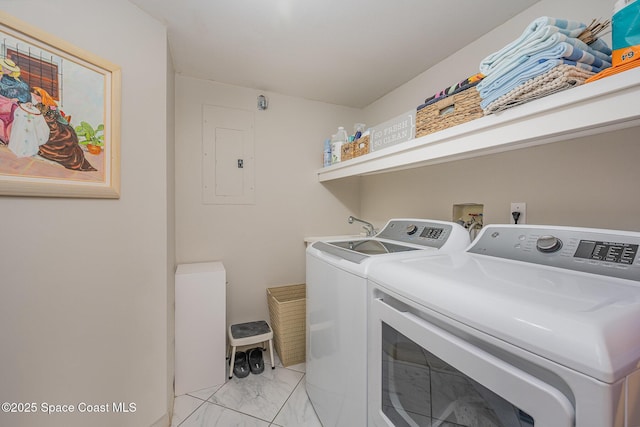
(83, 312)
(261, 245)
(587, 182)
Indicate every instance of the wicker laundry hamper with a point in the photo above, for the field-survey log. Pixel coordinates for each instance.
(287, 310)
(453, 110)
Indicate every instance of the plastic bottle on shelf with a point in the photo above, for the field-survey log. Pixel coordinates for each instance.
(342, 134)
(336, 149)
(337, 141)
(358, 130)
(327, 152)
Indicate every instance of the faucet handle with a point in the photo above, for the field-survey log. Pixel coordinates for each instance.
(370, 229)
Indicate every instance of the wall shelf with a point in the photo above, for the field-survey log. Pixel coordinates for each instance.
(602, 106)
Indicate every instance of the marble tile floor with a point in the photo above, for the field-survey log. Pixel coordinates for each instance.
(276, 397)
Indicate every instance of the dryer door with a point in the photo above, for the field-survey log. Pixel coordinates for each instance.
(422, 375)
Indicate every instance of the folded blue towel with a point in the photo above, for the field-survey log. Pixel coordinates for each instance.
(575, 52)
(517, 57)
(540, 29)
(601, 46)
(546, 43)
(525, 73)
(563, 50)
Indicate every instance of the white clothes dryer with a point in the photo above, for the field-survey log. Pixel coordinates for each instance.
(530, 326)
(336, 349)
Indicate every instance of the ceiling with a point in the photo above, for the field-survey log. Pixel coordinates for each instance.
(345, 52)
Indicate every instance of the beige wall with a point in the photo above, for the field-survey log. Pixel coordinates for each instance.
(171, 230)
(261, 245)
(83, 311)
(586, 182)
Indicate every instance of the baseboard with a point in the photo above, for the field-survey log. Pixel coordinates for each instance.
(164, 421)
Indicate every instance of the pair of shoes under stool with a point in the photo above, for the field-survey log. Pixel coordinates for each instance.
(249, 361)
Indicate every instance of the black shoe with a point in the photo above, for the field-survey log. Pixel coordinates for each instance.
(256, 362)
(241, 365)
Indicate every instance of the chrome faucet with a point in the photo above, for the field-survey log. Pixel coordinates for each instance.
(371, 231)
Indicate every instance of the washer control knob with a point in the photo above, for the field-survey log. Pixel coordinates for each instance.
(411, 229)
(548, 244)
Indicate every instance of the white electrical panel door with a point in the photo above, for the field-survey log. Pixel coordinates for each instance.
(227, 156)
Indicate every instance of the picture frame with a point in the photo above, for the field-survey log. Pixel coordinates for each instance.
(59, 117)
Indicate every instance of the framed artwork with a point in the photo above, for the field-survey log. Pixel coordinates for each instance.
(59, 117)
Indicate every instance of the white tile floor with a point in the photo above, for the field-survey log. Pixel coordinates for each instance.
(276, 397)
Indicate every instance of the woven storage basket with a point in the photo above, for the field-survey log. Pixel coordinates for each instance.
(453, 110)
(287, 310)
(361, 146)
(347, 151)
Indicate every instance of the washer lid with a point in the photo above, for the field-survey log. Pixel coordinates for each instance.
(584, 321)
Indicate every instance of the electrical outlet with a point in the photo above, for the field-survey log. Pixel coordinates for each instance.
(518, 207)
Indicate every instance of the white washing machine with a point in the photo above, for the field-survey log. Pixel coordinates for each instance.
(337, 307)
(530, 326)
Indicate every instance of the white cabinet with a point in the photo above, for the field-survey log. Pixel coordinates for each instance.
(598, 107)
(200, 326)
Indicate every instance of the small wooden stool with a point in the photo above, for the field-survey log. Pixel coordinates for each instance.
(247, 334)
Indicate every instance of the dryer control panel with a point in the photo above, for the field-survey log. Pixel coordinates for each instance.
(606, 252)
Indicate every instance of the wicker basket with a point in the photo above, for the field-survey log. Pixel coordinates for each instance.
(453, 110)
(287, 310)
(347, 151)
(361, 146)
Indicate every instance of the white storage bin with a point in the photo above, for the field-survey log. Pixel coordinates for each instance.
(200, 326)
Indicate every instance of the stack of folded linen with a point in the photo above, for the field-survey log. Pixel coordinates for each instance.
(465, 84)
(533, 60)
(557, 79)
